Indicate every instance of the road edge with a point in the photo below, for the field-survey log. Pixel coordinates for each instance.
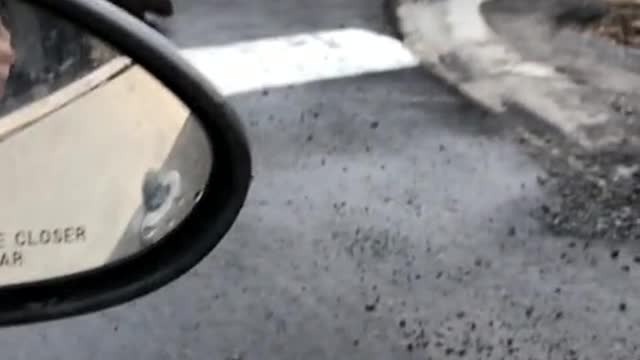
(454, 42)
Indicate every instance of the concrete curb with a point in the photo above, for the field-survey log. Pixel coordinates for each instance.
(453, 40)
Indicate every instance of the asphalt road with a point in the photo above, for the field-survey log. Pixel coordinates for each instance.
(389, 219)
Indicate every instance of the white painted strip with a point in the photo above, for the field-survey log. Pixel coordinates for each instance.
(299, 59)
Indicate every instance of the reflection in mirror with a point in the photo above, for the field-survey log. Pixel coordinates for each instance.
(99, 160)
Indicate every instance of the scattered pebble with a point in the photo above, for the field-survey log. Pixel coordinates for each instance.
(615, 254)
(371, 306)
(529, 312)
(559, 315)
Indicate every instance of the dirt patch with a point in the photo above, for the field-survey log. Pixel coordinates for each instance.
(620, 23)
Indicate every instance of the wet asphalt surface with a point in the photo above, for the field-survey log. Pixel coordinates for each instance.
(389, 219)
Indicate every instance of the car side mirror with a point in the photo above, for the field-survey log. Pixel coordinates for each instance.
(122, 167)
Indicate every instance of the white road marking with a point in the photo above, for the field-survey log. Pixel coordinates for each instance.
(299, 59)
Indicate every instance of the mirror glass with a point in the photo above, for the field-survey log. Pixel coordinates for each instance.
(99, 160)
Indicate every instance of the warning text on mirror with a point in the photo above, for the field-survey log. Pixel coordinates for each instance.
(12, 243)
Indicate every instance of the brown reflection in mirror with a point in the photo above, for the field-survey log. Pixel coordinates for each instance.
(49, 53)
(97, 164)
